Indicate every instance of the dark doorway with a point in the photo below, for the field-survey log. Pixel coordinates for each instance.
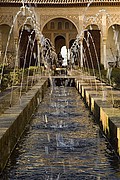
(28, 48)
(59, 43)
(91, 45)
(71, 43)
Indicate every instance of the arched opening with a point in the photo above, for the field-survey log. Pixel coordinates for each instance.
(71, 43)
(60, 31)
(28, 47)
(59, 43)
(91, 47)
(113, 40)
(4, 35)
(64, 53)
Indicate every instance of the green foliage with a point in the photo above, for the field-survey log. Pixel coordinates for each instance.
(13, 77)
(5, 74)
(6, 69)
(5, 82)
(8, 76)
(115, 77)
(101, 67)
(32, 70)
(103, 74)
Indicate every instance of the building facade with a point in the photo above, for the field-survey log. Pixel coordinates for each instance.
(62, 21)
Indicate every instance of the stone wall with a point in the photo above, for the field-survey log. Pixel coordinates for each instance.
(14, 120)
(98, 97)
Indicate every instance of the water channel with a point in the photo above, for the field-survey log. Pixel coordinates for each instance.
(62, 142)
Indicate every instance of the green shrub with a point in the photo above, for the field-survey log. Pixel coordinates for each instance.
(14, 78)
(32, 70)
(5, 82)
(115, 76)
(101, 67)
(103, 73)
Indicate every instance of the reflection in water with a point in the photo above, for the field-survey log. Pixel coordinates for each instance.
(62, 143)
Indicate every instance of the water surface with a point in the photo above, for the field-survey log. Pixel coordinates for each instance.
(62, 142)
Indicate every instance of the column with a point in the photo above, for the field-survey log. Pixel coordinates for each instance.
(80, 25)
(104, 39)
(67, 46)
(67, 40)
(16, 52)
(38, 52)
(104, 57)
(16, 39)
(80, 37)
(52, 39)
(81, 53)
(0, 46)
(104, 54)
(0, 43)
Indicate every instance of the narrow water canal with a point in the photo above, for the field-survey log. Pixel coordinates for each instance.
(62, 143)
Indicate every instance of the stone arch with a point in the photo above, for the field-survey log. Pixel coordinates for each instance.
(6, 19)
(92, 46)
(94, 20)
(112, 19)
(60, 30)
(113, 43)
(92, 27)
(24, 23)
(59, 43)
(6, 45)
(27, 47)
(48, 19)
(71, 42)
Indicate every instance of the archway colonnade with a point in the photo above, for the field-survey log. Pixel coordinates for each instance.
(62, 26)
